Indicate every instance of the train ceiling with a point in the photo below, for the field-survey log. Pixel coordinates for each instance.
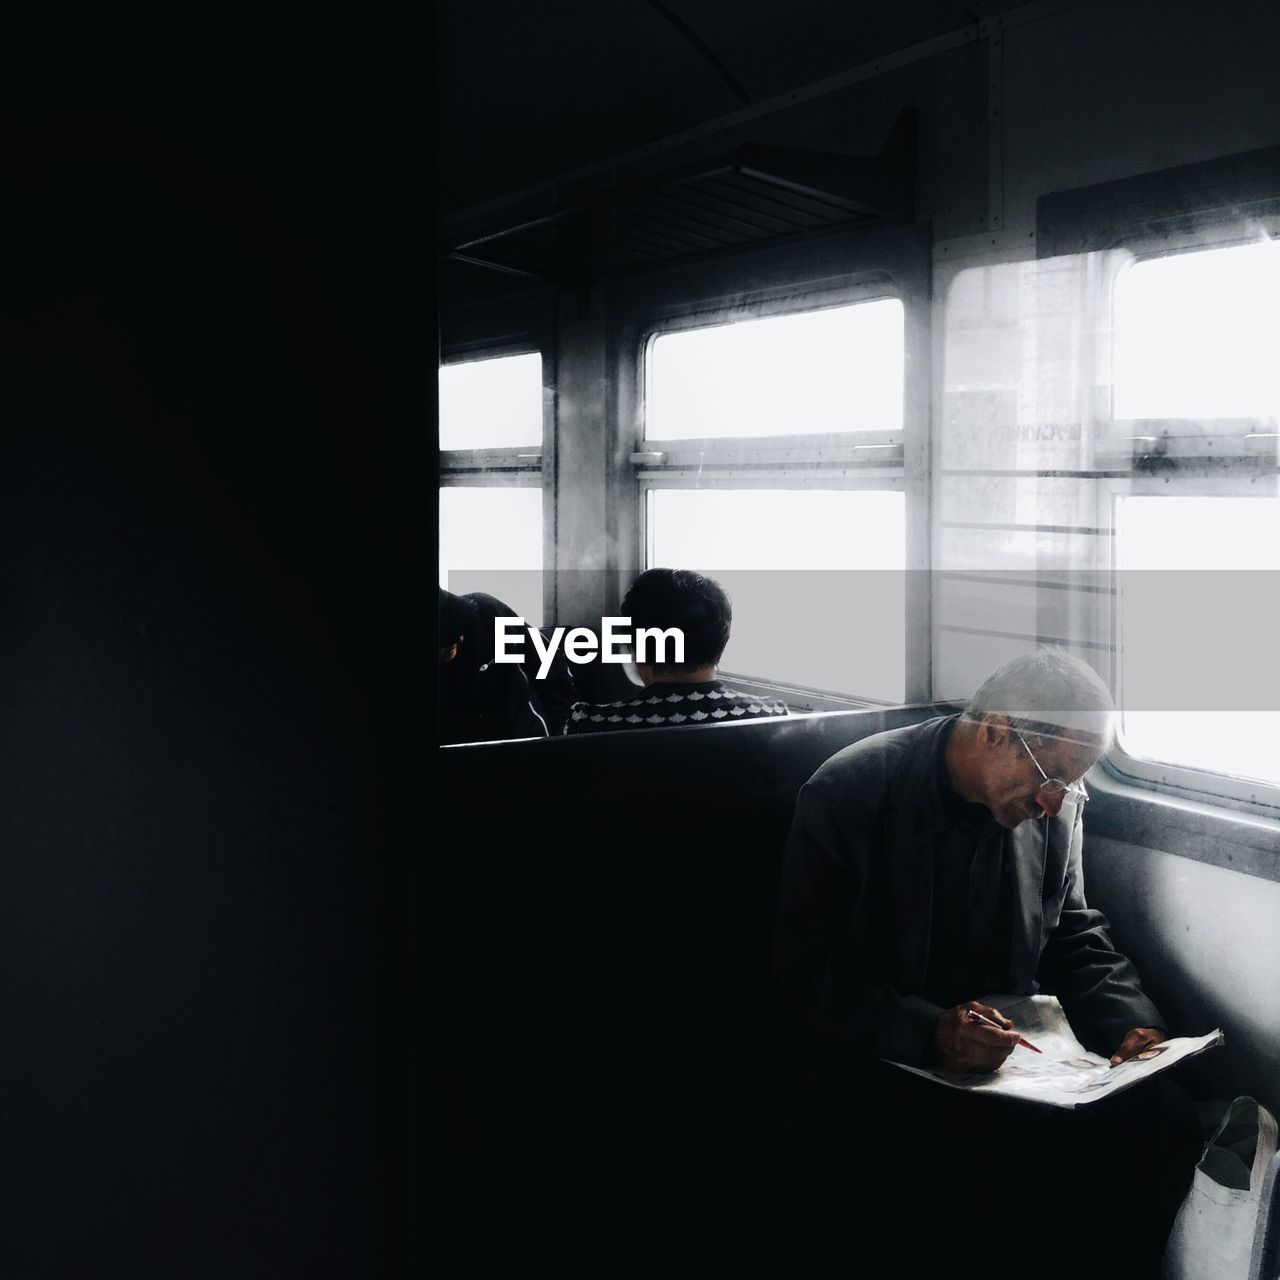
(528, 91)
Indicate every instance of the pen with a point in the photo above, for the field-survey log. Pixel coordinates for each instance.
(975, 1016)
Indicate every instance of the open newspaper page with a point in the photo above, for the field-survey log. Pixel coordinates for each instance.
(1064, 1073)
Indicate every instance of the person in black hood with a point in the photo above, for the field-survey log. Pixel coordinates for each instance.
(482, 700)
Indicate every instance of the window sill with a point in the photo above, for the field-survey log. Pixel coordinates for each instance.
(1121, 810)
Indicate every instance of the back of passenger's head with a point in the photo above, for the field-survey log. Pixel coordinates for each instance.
(457, 618)
(682, 598)
(1048, 693)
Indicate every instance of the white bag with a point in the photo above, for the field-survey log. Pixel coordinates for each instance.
(1212, 1236)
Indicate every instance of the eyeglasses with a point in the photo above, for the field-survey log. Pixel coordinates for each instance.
(1055, 786)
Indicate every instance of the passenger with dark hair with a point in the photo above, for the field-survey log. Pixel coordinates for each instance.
(677, 693)
(482, 700)
(928, 866)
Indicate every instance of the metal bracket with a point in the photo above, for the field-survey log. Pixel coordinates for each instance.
(993, 31)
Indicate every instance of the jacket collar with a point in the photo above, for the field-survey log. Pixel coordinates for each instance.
(918, 789)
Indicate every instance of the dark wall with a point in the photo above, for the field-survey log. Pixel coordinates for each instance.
(208, 450)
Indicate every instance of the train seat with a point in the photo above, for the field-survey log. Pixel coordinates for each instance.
(599, 937)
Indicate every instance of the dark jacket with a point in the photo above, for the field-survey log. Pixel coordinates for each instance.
(851, 947)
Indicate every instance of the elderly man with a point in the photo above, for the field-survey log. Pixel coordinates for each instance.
(925, 867)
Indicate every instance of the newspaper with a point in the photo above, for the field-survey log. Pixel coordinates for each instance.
(1064, 1073)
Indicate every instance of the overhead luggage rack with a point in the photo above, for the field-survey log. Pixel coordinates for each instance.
(756, 193)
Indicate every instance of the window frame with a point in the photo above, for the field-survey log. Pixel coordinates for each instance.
(892, 263)
(511, 466)
(1191, 457)
(818, 460)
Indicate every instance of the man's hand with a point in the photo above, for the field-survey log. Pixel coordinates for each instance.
(961, 1045)
(1137, 1041)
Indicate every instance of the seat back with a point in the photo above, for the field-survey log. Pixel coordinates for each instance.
(601, 928)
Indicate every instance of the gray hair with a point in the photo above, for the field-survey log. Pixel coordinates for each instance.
(1050, 694)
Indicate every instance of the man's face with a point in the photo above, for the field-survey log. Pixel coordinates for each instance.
(1015, 788)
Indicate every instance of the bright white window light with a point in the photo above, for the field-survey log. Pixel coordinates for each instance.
(838, 369)
(816, 578)
(1199, 611)
(1196, 335)
(491, 541)
(491, 404)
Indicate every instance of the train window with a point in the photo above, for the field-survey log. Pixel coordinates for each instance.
(491, 540)
(1197, 530)
(486, 404)
(815, 577)
(835, 369)
(772, 458)
(1223, 553)
(491, 494)
(1195, 334)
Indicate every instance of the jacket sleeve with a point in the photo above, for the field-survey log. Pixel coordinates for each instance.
(1098, 987)
(555, 693)
(824, 952)
(509, 705)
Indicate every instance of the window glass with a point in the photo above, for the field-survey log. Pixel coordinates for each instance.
(491, 404)
(839, 369)
(491, 541)
(816, 578)
(1199, 612)
(1196, 335)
